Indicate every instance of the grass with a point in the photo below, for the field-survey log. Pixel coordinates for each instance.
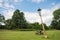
(28, 35)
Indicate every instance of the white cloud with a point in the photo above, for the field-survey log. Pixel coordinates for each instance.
(31, 17)
(9, 9)
(57, 6)
(1, 1)
(47, 15)
(6, 1)
(15, 0)
(0, 4)
(7, 5)
(8, 14)
(34, 17)
(18, 0)
(37, 1)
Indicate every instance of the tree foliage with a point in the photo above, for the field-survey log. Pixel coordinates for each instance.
(19, 19)
(9, 24)
(35, 25)
(2, 18)
(56, 19)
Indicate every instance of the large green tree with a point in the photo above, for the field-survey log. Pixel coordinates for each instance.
(19, 19)
(56, 19)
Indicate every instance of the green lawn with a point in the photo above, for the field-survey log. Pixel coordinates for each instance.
(28, 35)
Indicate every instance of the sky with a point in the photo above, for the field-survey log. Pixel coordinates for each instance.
(30, 7)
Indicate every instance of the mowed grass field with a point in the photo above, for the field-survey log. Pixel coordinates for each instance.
(28, 35)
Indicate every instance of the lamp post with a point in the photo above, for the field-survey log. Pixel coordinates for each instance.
(44, 32)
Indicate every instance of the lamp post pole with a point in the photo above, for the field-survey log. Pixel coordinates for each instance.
(44, 32)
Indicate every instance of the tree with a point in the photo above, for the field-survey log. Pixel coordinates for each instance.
(19, 19)
(9, 24)
(2, 18)
(56, 19)
(37, 26)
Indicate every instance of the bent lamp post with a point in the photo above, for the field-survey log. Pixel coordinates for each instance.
(44, 32)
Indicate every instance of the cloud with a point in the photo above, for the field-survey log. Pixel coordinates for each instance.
(18, 0)
(55, 7)
(0, 4)
(7, 5)
(34, 17)
(1, 1)
(31, 17)
(6, 1)
(8, 9)
(8, 14)
(37, 1)
(47, 15)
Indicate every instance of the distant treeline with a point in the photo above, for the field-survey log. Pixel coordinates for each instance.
(18, 21)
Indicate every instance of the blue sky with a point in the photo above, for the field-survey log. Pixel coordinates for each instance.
(29, 7)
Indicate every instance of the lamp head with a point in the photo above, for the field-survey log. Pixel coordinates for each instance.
(39, 10)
